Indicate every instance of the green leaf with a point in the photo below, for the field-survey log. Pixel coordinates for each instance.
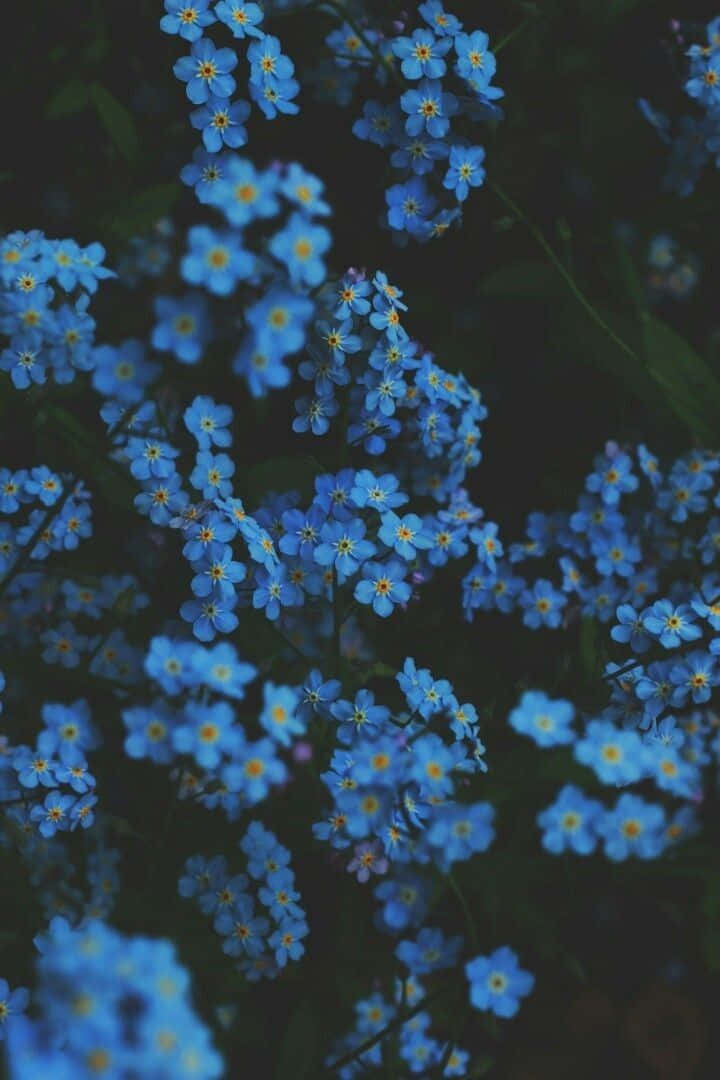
(70, 98)
(591, 344)
(530, 278)
(297, 1053)
(629, 276)
(118, 122)
(139, 214)
(688, 385)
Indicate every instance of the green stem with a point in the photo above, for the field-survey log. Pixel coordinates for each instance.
(392, 1026)
(467, 913)
(454, 1039)
(564, 273)
(513, 34)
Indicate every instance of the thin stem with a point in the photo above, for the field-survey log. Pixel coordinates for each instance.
(454, 1039)
(564, 273)
(467, 914)
(396, 1023)
(621, 671)
(513, 33)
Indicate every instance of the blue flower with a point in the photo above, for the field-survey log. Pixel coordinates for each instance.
(409, 205)
(182, 326)
(465, 170)
(304, 189)
(299, 246)
(693, 678)
(379, 492)
(273, 591)
(254, 772)
(279, 321)
(431, 951)
(543, 605)
(672, 625)
(122, 372)
(351, 298)
(379, 123)
(630, 629)
(12, 1004)
(383, 586)
(546, 722)
(242, 18)
(404, 899)
(187, 18)
(149, 733)
(221, 123)
(612, 478)
(206, 71)
(244, 194)
(405, 535)
(208, 422)
(278, 716)
(221, 670)
(616, 756)
(475, 62)
(632, 827)
(54, 814)
(428, 108)
(208, 732)
(216, 260)
(422, 54)
(440, 20)
(342, 546)
(317, 695)
(267, 62)
(569, 823)
(275, 96)
(497, 982)
(458, 832)
(34, 768)
(313, 414)
(287, 940)
(359, 718)
(212, 473)
(218, 575)
(209, 616)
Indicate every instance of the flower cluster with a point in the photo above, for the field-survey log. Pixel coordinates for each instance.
(221, 764)
(56, 763)
(261, 945)
(696, 138)
(444, 75)
(110, 1003)
(417, 1048)
(394, 780)
(58, 516)
(48, 329)
(672, 272)
(632, 827)
(207, 71)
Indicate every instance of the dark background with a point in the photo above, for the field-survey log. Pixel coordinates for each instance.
(626, 958)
